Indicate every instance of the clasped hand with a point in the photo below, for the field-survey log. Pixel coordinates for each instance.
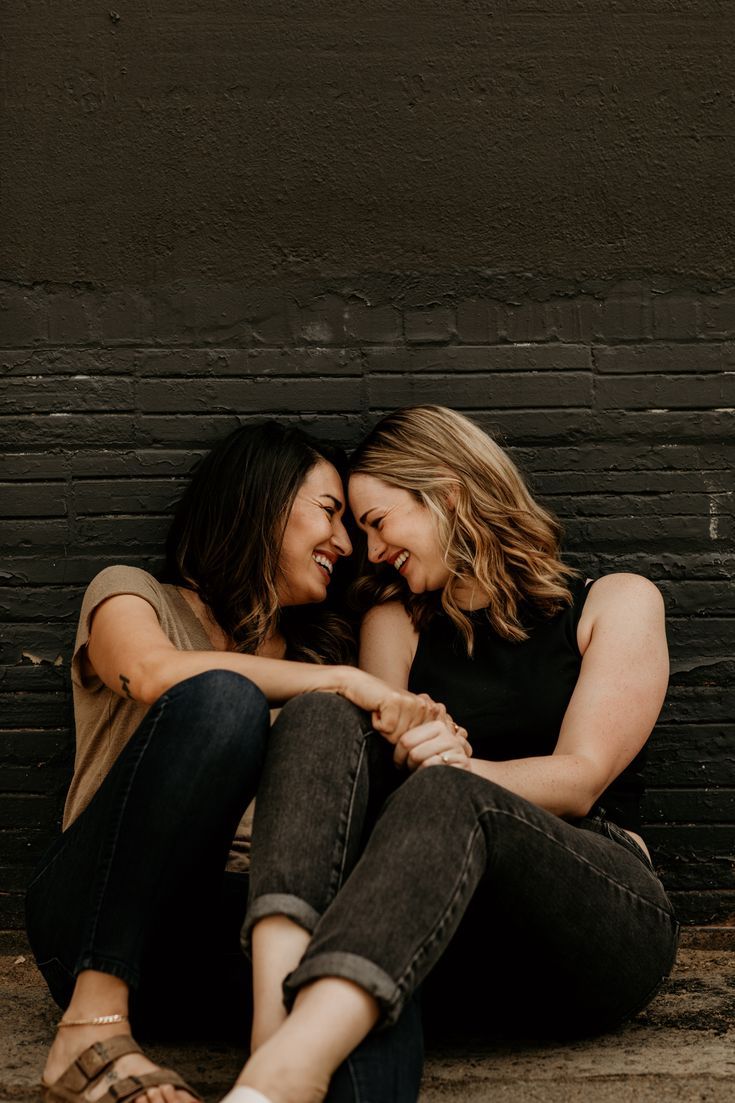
(420, 729)
(438, 741)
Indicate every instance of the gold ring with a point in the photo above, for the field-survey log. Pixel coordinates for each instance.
(445, 757)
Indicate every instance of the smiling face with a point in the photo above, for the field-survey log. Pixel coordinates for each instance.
(400, 531)
(314, 538)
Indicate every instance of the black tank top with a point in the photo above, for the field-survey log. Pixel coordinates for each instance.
(511, 697)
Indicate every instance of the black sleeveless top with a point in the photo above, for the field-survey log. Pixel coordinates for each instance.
(511, 697)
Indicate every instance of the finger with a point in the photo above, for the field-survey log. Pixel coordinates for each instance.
(413, 737)
(386, 718)
(428, 748)
(398, 713)
(436, 710)
(412, 712)
(447, 758)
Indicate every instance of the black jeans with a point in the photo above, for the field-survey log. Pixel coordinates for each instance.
(510, 912)
(134, 887)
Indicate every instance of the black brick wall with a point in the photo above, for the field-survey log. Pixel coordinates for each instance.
(616, 402)
(213, 212)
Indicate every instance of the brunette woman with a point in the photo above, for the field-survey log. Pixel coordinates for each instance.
(513, 880)
(172, 682)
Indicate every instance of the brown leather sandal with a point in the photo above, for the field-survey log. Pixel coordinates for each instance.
(92, 1064)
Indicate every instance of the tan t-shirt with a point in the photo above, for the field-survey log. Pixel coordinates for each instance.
(105, 721)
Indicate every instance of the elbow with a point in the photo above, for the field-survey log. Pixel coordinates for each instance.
(152, 678)
(591, 785)
(583, 805)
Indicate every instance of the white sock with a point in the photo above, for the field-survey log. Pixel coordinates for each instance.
(242, 1094)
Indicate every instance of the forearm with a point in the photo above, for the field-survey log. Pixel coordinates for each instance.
(279, 679)
(565, 784)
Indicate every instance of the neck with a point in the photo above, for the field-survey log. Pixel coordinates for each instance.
(469, 595)
(274, 647)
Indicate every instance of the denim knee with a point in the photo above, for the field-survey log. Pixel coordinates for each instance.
(230, 708)
(321, 706)
(428, 790)
(326, 717)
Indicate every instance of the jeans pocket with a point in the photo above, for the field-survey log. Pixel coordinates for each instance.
(601, 825)
(619, 835)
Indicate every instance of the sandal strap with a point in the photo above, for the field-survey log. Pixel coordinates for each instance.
(132, 1086)
(90, 1064)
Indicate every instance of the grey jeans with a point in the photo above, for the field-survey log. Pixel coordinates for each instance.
(564, 924)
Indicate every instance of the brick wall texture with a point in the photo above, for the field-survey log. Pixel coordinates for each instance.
(524, 210)
(616, 402)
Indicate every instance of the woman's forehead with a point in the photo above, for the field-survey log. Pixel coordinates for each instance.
(366, 493)
(323, 478)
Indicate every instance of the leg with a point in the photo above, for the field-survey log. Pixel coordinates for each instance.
(278, 944)
(325, 777)
(599, 914)
(441, 835)
(387, 1065)
(556, 970)
(151, 834)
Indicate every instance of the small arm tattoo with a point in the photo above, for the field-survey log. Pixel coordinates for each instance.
(126, 686)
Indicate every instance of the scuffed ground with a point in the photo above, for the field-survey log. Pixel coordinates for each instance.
(681, 1049)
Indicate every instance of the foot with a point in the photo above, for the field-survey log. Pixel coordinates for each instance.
(71, 1041)
(281, 1077)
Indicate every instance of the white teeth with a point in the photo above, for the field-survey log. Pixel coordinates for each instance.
(400, 560)
(323, 562)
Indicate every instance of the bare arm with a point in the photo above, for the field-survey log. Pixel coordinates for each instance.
(388, 644)
(132, 655)
(387, 647)
(615, 704)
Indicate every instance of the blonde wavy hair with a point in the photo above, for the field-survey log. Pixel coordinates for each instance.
(491, 530)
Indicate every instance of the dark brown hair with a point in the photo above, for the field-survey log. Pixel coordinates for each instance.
(225, 540)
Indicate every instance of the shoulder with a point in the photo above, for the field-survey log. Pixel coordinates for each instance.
(117, 580)
(389, 613)
(623, 599)
(121, 575)
(388, 619)
(623, 589)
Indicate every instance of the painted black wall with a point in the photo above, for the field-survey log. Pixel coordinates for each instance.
(321, 211)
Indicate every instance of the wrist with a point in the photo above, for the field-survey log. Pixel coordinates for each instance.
(334, 679)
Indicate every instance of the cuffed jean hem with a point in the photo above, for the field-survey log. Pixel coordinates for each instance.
(278, 903)
(389, 996)
(102, 964)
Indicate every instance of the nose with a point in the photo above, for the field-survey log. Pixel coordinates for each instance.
(376, 547)
(341, 540)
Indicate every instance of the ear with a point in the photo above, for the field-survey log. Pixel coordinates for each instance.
(451, 494)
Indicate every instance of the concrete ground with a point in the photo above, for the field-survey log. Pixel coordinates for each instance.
(681, 1049)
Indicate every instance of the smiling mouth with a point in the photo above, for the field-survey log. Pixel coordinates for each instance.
(325, 563)
(401, 559)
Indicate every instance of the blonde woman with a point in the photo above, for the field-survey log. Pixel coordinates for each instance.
(495, 856)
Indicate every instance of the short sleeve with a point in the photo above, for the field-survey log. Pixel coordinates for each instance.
(111, 582)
